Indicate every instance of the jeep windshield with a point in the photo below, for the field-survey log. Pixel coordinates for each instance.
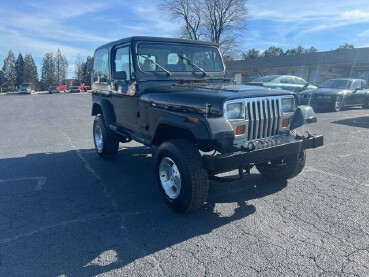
(179, 58)
(25, 85)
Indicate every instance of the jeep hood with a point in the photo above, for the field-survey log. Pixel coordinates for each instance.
(193, 98)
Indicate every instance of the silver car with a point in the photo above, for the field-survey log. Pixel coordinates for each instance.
(27, 88)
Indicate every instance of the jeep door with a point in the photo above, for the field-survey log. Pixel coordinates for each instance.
(124, 95)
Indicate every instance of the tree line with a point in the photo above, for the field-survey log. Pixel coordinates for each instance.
(274, 51)
(53, 70)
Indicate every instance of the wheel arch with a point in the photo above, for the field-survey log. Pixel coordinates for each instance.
(104, 107)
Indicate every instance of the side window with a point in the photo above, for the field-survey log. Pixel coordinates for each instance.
(300, 81)
(287, 80)
(356, 85)
(101, 67)
(364, 85)
(123, 62)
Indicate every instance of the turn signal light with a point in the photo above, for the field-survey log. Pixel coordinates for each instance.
(285, 122)
(240, 130)
(193, 119)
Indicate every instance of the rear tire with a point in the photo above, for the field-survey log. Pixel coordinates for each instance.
(105, 140)
(182, 179)
(366, 105)
(284, 169)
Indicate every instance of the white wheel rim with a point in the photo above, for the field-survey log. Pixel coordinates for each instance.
(170, 178)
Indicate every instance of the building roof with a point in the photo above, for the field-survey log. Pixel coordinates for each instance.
(345, 57)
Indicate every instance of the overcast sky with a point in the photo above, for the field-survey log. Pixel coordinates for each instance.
(79, 26)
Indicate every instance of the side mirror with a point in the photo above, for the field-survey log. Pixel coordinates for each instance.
(355, 90)
(303, 115)
(120, 75)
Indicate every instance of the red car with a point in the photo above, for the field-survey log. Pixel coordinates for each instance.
(78, 87)
(57, 88)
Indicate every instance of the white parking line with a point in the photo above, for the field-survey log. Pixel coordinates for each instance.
(40, 180)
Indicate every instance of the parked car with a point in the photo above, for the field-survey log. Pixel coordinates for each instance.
(292, 83)
(174, 95)
(336, 94)
(78, 87)
(57, 88)
(26, 88)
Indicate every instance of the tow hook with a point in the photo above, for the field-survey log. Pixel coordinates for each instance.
(304, 137)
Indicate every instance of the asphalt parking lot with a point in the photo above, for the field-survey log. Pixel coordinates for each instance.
(66, 212)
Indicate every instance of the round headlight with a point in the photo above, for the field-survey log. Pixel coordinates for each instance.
(235, 111)
(288, 105)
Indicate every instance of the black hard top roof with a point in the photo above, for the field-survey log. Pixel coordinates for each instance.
(156, 39)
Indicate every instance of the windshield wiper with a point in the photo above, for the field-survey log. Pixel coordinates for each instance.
(158, 65)
(192, 64)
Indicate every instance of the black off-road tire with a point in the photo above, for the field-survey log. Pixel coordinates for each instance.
(194, 178)
(110, 140)
(285, 169)
(337, 106)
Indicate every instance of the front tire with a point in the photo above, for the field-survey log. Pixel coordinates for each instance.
(338, 104)
(181, 176)
(106, 141)
(283, 169)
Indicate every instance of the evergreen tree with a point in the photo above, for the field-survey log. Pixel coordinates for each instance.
(10, 74)
(19, 67)
(1, 80)
(61, 66)
(345, 46)
(30, 71)
(78, 71)
(251, 54)
(87, 70)
(273, 51)
(48, 70)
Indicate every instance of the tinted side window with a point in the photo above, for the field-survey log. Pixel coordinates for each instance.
(123, 62)
(364, 85)
(300, 81)
(356, 85)
(287, 80)
(101, 67)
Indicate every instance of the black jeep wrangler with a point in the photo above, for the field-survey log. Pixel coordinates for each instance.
(174, 95)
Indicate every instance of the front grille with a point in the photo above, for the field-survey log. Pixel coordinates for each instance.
(262, 119)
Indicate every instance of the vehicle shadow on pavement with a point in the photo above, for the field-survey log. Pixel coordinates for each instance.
(362, 122)
(92, 216)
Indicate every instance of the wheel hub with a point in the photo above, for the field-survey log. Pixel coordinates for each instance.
(170, 177)
(98, 138)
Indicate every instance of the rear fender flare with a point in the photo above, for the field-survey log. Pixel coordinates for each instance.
(104, 107)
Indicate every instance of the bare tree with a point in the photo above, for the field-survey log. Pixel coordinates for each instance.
(220, 21)
(189, 11)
